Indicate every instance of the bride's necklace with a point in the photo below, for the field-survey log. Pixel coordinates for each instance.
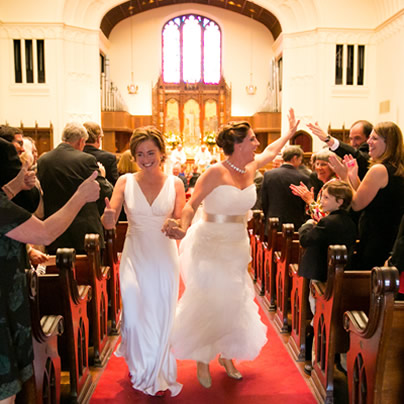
(235, 168)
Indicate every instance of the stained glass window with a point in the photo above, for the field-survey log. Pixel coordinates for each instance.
(191, 50)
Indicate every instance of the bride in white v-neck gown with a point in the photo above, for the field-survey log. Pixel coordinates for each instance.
(148, 272)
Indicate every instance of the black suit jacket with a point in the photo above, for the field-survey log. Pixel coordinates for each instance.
(10, 166)
(60, 172)
(336, 228)
(361, 154)
(107, 159)
(277, 198)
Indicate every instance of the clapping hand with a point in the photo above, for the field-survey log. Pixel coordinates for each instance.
(25, 179)
(345, 169)
(303, 192)
(109, 216)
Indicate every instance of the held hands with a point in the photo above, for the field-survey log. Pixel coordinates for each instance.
(109, 216)
(173, 230)
(303, 192)
(89, 189)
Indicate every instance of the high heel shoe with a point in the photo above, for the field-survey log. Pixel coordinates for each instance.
(230, 368)
(203, 375)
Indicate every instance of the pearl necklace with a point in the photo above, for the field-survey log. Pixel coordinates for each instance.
(235, 168)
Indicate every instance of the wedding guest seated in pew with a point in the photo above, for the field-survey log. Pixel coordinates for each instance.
(380, 195)
(335, 228)
(17, 227)
(312, 196)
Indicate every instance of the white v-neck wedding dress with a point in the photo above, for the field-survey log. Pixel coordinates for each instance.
(149, 288)
(217, 313)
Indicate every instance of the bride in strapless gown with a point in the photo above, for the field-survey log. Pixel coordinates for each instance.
(214, 257)
(217, 313)
(149, 268)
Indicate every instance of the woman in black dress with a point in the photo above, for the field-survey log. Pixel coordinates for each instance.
(380, 195)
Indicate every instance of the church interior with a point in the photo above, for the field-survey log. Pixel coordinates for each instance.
(188, 67)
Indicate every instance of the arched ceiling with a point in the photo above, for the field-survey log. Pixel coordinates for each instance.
(244, 7)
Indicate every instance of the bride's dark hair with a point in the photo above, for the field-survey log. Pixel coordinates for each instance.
(233, 132)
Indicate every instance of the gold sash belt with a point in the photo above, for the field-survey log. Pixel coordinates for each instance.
(208, 217)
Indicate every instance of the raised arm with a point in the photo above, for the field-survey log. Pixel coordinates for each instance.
(275, 147)
(44, 232)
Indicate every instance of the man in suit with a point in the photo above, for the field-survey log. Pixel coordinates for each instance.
(10, 166)
(107, 159)
(60, 172)
(277, 198)
(358, 147)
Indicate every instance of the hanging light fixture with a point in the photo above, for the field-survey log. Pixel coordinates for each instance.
(132, 87)
(251, 88)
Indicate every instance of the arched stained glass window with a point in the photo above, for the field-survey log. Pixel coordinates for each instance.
(191, 50)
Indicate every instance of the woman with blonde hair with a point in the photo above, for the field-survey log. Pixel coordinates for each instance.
(126, 164)
(380, 195)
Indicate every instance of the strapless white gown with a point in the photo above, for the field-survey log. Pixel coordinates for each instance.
(217, 313)
(149, 276)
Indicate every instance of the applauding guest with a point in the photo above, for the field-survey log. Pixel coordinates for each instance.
(380, 194)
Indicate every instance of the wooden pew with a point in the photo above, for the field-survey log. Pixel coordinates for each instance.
(255, 226)
(343, 291)
(375, 357)
(89, 271)
(114, 292)
(121, 229)
(272, 245)
(45, 386)
(61, 295)
(301, 314)
(288, 254)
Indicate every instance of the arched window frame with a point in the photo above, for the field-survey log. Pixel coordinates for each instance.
(204, 22)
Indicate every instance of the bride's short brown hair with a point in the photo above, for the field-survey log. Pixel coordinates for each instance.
(144, 133)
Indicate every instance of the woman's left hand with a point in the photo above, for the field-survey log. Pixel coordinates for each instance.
(338, 167)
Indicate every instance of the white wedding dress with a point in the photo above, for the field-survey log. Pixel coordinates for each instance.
(149, 275)
(217, 313)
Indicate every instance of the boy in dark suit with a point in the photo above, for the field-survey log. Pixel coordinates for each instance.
(335, 228)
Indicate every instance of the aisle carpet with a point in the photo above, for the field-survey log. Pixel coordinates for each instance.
(272, 378)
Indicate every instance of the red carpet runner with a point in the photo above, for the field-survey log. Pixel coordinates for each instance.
(272, 378)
